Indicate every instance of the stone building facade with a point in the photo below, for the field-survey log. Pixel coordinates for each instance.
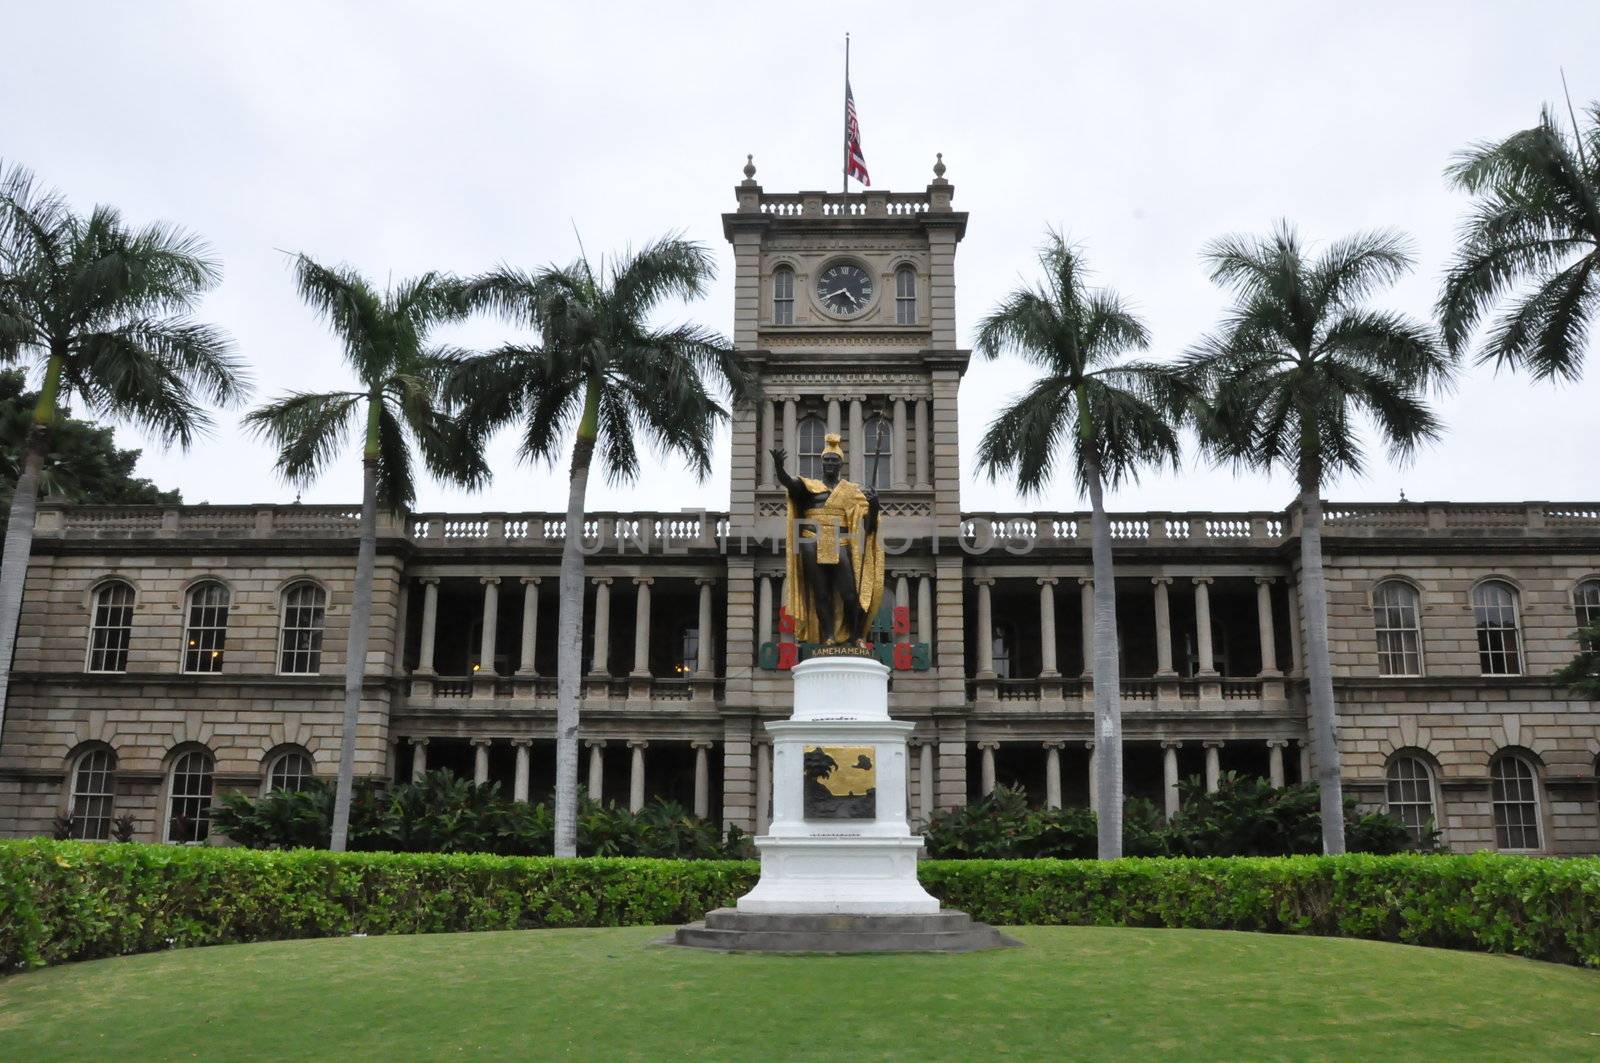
(168, 654)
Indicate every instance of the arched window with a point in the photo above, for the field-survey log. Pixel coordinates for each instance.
(812, 437)
(877, 452)
(1004, 645)
(205, 628)
(905, 296)
(289, 770)
(111, 627)
(300, 639)
(1394, 615)
(1586, 602)
(1410, 794)
(1516, 802)
(1494, 606)
(93, 793)
(189, 797)
(783, 296)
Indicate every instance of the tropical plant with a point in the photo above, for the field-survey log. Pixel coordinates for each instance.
(598, 372)
(84, 464)
(1113, 416)
(1293, 366)
(1532, 241)
(101, 311)
(1581, 675)
(385, 340)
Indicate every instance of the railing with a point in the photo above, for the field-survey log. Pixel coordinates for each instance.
(1018, 689)
(868, 204)
(1138, 690)
(706, 530)
(1241, 690)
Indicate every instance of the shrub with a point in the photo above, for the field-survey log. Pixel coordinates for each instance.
(62, 901)
(441, 813)
(1244, 816)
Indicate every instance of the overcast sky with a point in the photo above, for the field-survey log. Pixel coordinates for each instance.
(399, 137)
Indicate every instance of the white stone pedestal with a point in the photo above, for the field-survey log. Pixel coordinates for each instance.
(839, 866)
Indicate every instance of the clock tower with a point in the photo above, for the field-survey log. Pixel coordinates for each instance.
(845, 305)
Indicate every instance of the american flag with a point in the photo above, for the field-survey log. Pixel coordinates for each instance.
(855, 164)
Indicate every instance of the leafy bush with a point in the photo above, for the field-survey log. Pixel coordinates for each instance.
(1244, 816)
(62, 901)
(441, 813)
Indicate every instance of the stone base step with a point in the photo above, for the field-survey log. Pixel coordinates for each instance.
(730, 930)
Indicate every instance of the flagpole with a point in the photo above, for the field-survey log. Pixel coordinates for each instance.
(844, 181)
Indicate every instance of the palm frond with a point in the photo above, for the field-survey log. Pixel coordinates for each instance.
(308, 429)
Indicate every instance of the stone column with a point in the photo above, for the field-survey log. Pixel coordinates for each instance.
(856, 450)
(1052, 774)
(597, 769)
(705, 664)
(791, 437)
(783, 600)
(1306, 773)
(526, 665)
(430, 624)
(902, 593)
(1169, 776)
(987, 750)
(763, 786)
(1269, 638)
(763, 610)
(491, 620)
(923, 481)
(1164, 667)
(1086, 624)
(833, 416)
(1094, 778)
(897, 460)
(480, 761)
(419, 758)
(1295, 661)
(925, 780)
(636, 774)
(1213, 765)
(769, 433)
(1047, 638)
(1202, 622)
(925, 610)
(702, 778)
(985, 632)
(519, 786)
(641, 628)
(600, 664)
(1275, 748)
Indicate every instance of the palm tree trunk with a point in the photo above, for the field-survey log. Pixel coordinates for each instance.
(569, 630)
(1107, 676)
(1324, 722)
(355, 664)
(18, 548)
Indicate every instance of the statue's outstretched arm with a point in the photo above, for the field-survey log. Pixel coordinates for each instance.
(797, 490)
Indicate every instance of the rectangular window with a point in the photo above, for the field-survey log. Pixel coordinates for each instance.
(207, 629)
(303, 608)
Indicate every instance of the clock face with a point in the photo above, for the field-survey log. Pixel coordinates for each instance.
(844, 289)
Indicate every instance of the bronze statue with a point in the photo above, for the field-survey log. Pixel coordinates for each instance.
(835, 557)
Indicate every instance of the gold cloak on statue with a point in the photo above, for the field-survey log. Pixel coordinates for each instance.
(837, 521)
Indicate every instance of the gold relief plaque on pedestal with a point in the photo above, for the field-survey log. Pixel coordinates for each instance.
(841, 782)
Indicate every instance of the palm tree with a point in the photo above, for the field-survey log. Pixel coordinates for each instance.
(1533, 238)
(598, 373)
(385, 338)
(102, 311)
(1116, 416)
(1297, 360)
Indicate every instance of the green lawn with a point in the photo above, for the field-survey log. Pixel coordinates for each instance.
(609, 994)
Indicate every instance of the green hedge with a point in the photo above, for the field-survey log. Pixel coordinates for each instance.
(62, 901)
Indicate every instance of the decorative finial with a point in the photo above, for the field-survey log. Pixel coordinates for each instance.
(1403, 494)
(938, 165)
(749, 167)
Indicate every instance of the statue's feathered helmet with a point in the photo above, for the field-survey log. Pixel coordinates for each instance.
(831, 447)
